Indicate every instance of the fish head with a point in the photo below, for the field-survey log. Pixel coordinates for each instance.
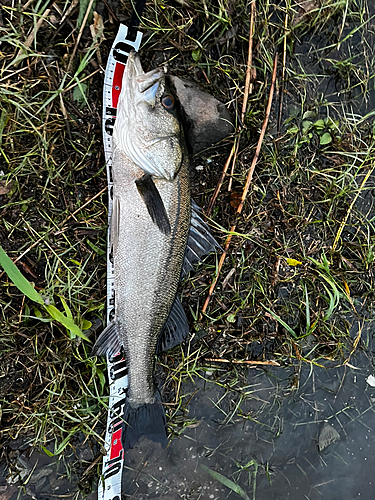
(148, 129)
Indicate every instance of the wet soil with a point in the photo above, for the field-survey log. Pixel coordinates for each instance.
(301, 431)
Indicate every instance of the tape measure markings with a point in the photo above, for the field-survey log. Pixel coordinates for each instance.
(109, 487)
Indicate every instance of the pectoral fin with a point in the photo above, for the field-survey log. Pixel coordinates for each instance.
(154, 203)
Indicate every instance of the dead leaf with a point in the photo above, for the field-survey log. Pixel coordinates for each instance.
(97, 28)
(235, 199)
(327, 436)
(5, 187)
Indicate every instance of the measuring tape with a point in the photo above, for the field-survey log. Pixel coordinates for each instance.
(109, 487)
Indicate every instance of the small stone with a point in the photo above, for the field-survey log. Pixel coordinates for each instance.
(207, 120)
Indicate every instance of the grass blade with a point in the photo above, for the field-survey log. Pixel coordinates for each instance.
(277, 318)
(226, 482)
(65, 321)
(18, 279)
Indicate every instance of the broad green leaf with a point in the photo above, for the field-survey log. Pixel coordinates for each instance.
(86, 324)
(96, 249)
(306, 125)
(319, 125)
(293, 130)
(37, 313)
(226, 482)
(79, 92)
(67, 322)
(102, 380)
(325, 139)
(16, 277)
(68, 312)
(196, 54)
(309, 115)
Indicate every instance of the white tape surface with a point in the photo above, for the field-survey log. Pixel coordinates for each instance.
(109, 487)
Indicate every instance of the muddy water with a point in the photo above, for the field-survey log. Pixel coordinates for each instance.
(310, 434)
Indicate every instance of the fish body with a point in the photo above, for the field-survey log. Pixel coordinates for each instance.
(147, 267)
(155, 236)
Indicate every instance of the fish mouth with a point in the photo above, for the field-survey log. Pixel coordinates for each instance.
(146, 84)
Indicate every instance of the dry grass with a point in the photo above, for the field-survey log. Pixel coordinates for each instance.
(302, 253)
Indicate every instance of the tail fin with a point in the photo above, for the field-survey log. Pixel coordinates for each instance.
(146, 420)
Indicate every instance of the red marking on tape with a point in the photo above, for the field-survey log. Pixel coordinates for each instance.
(117, 83)
(116, 445)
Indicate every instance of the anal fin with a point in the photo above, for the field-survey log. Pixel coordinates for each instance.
(176, 328)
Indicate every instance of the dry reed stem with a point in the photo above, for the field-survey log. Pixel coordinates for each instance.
(247, 185)
(282, 75)
(233, 165)
(80, 34)
(243, 361)
(248, 90)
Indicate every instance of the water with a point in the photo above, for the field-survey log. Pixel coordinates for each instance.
(275, 453)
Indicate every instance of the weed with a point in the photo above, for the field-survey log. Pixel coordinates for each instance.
(303, 251)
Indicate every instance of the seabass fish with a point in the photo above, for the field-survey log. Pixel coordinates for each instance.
(156, 235)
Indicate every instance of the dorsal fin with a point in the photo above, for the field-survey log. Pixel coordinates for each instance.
(200, 240)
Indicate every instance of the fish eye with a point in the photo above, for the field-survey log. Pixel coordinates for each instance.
(168, 102)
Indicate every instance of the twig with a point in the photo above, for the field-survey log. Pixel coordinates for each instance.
(243, 362)
(220, 181)
(26, 5)
(80, 34)
(248, 90)
(32, 35)
(247, 185)
(233, 165)
(71, 7)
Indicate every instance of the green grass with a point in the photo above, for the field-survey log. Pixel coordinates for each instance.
(302, 255)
